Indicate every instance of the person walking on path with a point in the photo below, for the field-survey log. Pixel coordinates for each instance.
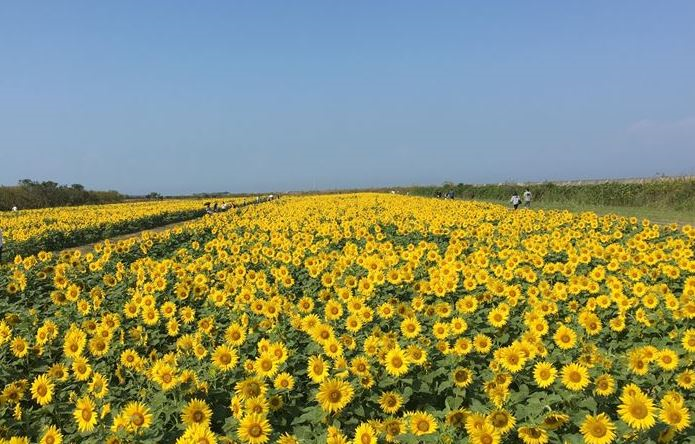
(515, 200)
(527, 198)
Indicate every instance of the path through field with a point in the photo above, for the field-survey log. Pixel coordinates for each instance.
(89, 247)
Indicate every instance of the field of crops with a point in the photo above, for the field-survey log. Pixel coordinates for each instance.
(31, 231)
(357, 319)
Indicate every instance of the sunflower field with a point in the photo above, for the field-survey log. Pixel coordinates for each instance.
(362, 319)
(31, 231)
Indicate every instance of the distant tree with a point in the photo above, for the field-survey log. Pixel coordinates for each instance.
(33, 194)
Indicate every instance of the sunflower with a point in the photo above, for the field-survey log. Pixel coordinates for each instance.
(81, 369)
(258, 405)
(317, 368)
(235, 335)
(565, 338)
(497, 317)
(605, 385)
(575, 377)
(667, 359)
(187, 315)
(555, 420)
(98, 346)
(333, 348)
(225, 358)
(84, 414)
(254, 429)
(334, 395)
(199, 434)
(359, 366)
(440, 330)
(58, 372)
(130, 358)
(463, 346)
(390, 402)
(19, 347)
(42, 390)
(502, 421)
(598, 429)
(457, 418)
(165, 375)
(675, 415)
(422, 423)
(637, 410)
(532, 435)
(485, 434)
(99, 386)
(276, 402)
(410, 327)
(284, 381)
(279, 350)
(287, 438)
(544, 373)
(392, 427)
(462, 377)
(416, 355)
(689, 340)
(482, 343)
(75, 341)
(512, 358)
(365, 434)
(137, 415)
(13, 393)
(51, 435)
(196, 412)
(367, 381)
(250, 388)
(396, 362)
(266, 365)
(686, 379)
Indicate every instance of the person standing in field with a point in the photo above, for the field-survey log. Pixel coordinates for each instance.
(515, 200)
(527, 198)
(2, 243)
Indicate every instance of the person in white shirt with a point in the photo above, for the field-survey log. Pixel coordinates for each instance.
(515, 200)
(527, 198)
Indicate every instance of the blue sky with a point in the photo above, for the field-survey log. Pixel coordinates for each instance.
(180, 96)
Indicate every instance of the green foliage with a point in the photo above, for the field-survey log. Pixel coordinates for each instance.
(675, 194)
(32, 194)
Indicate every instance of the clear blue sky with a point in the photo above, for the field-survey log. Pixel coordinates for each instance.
(191, 96)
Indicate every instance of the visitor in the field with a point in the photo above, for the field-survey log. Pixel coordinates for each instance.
(2, 242)
(527, 198)
(515, 200)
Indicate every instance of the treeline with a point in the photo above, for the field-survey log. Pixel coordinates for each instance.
(677, 194)
(31, 194)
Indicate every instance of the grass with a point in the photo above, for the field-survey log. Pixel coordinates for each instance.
(656, 215)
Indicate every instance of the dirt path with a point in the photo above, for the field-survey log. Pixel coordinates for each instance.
(89, 247)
